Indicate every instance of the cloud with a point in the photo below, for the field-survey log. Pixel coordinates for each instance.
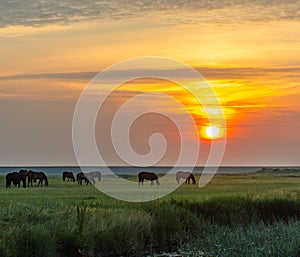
(63, 76)
(207, 72)
(42, 12)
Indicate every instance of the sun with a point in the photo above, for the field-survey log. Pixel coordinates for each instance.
(212, 132)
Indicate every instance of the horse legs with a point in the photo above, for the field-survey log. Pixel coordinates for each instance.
(152, 183)
(87, 181)
(8, 183)
(141, 181)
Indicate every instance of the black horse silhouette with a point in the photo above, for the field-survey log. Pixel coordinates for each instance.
(16, 179)
(24, 173)
(185, 175)
(69, 175)
(143, 175)
(33, 176)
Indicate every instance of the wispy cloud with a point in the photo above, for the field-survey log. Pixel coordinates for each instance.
(207, 72)
(40, 12)
(64, 76)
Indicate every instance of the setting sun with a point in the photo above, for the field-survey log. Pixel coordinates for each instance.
(212, 132)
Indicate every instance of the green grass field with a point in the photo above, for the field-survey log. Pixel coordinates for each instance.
(234, 215)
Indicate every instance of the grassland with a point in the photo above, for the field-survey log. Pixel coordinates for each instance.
(234, 215)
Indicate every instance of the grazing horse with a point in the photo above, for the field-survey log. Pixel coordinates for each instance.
(33, 176)
(24, 173)
(68, 175)
(16, 178)
(148, 176)
(88, 177)
(41, 176)
(185, 175)
(80, 176)
(92, 175)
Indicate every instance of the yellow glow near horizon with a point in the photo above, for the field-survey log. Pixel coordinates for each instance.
(234, 62)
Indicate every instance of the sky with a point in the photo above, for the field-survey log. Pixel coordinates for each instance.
(248, 52)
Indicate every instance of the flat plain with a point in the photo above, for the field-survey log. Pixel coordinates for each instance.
(254, 214)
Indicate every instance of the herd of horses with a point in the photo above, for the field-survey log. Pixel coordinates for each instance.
(188, 176)
(16, 178)
(87, 177)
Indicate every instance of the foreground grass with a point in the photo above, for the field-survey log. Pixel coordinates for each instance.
(242, 215)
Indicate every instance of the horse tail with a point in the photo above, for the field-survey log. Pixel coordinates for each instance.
(193, 179)
(23, 178)
(177, 177)
(8, 181)
(140, 178)
(46, 180)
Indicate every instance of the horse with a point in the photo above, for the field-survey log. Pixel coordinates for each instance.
(92, 175)
(33, 176)
(24, 173)
(16, 178)
(69, 175)
(185, 175)
(81, 176)
(88, 177)
(143, 175)
(41, 176)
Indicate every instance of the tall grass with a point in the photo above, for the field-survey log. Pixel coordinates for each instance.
(243, 210)
(67, 220)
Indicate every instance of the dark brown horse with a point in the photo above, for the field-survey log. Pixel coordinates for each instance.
(16, 179)
(143, 175)
(185, 175)
(33, 176)
(69, 175)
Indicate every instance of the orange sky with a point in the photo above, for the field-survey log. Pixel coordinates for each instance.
(251, 60)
